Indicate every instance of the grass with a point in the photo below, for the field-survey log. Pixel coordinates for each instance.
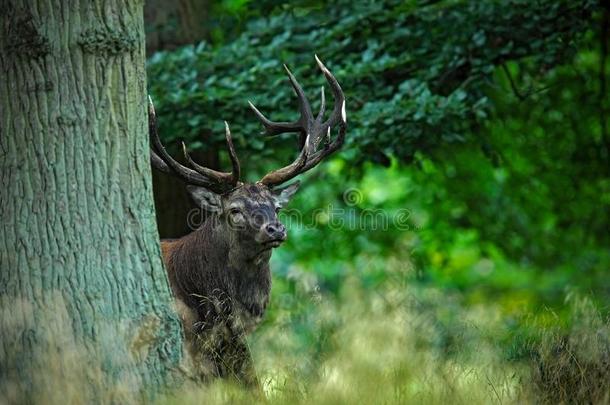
(573, 365)
(396, 342)
(402, 344)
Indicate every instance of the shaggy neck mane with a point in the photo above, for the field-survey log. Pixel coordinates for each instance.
(213, 278)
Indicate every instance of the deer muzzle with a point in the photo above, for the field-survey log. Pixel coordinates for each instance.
(273, 234)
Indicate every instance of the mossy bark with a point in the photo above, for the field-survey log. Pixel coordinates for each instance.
(85, 307)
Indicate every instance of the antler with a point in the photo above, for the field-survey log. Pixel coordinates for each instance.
(313, 130)
(219, 182)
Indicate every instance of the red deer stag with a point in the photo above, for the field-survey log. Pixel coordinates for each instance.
(220, 273)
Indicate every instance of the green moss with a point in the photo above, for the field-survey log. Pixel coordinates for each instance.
(104, 42)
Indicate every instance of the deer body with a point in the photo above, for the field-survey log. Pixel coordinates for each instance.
(220, 297)
(239, 286)
(220, 273)
(213, 271)
(221, 278)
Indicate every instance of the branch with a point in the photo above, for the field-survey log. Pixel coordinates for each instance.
(513, 86)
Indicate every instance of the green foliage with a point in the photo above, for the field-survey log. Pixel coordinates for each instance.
(415, 76)
(403, 344)
(490, 206)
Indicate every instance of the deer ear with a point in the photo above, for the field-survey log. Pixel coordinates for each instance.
(204, 198)
(284, 194)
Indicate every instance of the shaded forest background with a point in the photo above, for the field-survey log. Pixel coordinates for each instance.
(485, 122)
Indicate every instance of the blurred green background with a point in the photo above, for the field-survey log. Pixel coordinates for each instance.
(470, 204)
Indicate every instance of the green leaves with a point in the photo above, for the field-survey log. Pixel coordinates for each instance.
(414, 76)
(503, 171)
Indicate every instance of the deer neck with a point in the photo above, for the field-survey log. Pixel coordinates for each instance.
(211, 264)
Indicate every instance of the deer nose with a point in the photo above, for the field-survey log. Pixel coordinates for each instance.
(276, 230)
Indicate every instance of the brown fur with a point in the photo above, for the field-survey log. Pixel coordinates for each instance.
(221, 279)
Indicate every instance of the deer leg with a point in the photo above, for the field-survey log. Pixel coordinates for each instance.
(237, 362)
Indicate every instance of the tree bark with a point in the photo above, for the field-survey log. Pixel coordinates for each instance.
(85, 306)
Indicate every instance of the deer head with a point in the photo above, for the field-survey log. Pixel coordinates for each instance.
(248, 211)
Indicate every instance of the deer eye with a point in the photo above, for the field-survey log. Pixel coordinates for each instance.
(236, 215)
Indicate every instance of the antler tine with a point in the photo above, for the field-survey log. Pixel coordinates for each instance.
(222, 177)
(273, 128)
(235, 168)
(302, 125)
(306, 114)
(315, 129)
(204, 171)
(337, 94)
(294, 169)
(200, 176)
(320, 116)
(322, 130)
(163, 161)
(330, 147)
(158, 163)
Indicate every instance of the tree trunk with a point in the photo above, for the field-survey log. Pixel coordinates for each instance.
(171, 24)
(85, 307)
